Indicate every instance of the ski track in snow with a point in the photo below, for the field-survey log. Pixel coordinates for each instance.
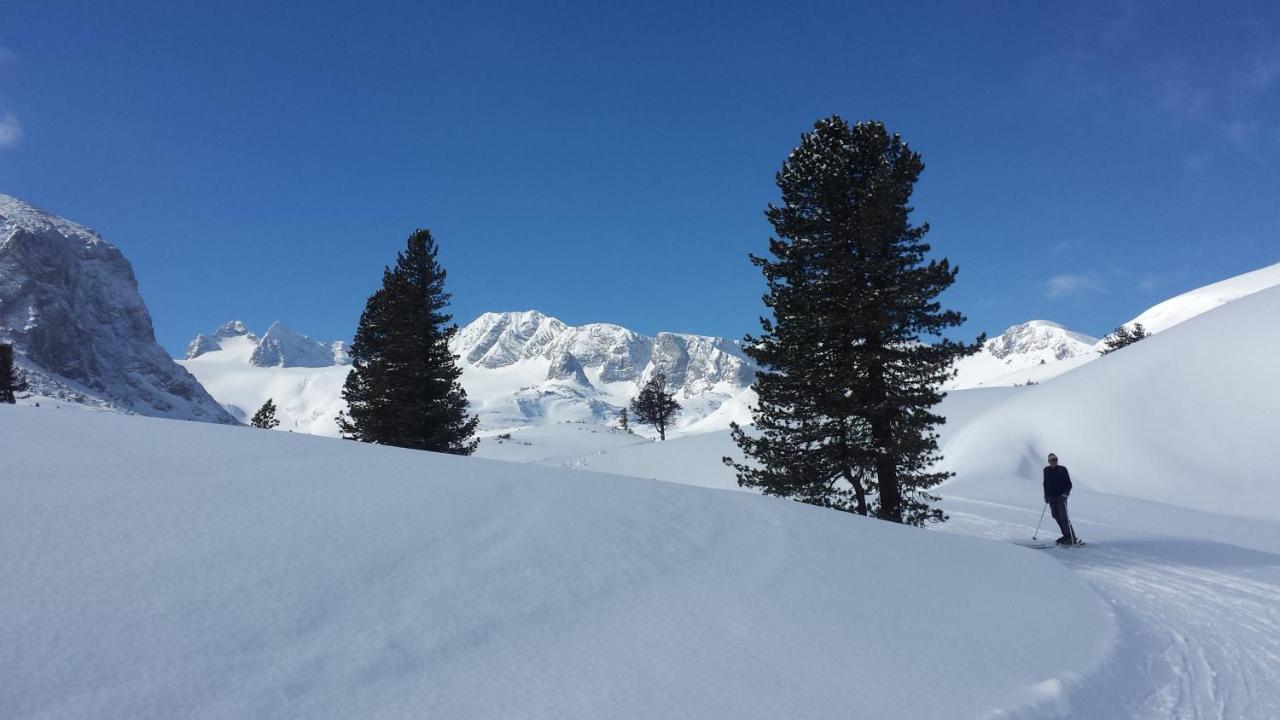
(1205, 632)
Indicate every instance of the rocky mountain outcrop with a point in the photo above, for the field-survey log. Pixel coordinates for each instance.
(69, 303)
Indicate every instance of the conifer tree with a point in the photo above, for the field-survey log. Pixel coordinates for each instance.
(11, 380)
(1123, 336)
(403, 387)
(655, 406)
(265, 418)
(847, 381)
(624, 423)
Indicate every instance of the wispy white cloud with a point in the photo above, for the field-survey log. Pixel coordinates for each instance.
(1067, 284)
(10, 129)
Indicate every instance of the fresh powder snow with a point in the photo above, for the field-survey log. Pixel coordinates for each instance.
(167, 569)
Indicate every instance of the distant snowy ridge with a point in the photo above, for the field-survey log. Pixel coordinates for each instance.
(69, 303)
(1181, 308)
(527, 368)
(279, 346)
(519, 369)
(1029, 352)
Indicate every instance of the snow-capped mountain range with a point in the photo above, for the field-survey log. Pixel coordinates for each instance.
(519, 369)
(524, 368)
(69, 303)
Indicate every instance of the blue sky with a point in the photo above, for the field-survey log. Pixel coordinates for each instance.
(609, 163)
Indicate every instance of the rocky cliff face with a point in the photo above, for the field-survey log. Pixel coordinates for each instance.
(69, 303)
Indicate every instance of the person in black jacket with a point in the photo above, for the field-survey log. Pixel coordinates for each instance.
(1057, 486)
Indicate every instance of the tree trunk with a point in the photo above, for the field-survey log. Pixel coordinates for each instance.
(886, 474)
(882, 436)
(859, 492)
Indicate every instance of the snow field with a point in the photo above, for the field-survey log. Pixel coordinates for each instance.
(167, 569)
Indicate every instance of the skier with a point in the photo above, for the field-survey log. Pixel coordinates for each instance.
(1057, 486)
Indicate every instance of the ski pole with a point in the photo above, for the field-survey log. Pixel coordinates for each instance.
(1037, 532)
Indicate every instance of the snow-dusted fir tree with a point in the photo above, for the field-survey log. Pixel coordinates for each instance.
(1123, 336)
(655, 406)
(265, 418)
(11, 380)
(624, 423)
(851, 360)
(403, 388)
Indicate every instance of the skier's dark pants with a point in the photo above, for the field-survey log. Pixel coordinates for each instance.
(1058, 506)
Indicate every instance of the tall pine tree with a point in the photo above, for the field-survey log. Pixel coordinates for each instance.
(847, 381)
(403, 388)
(11, 379)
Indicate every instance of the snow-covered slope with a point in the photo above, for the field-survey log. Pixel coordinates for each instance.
(1183, 307)
(1188, 417)
(302, 376)
(69, 303)
(1038, 350)
(1170, 444)
(161, 569)
(1031, 352)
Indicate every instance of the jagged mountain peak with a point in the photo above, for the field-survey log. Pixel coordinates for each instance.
(234, 328)
(279, 346)
(497, 339)
(282, 346)
(1040, 335)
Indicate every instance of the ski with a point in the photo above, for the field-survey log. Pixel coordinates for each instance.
(1047, 546)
